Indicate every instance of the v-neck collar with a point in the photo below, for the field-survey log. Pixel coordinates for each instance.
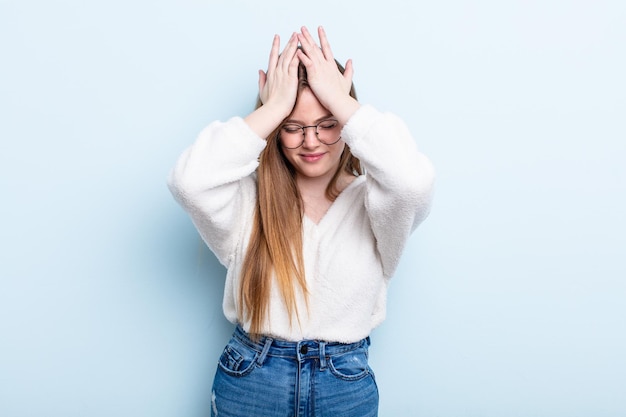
(334, 204)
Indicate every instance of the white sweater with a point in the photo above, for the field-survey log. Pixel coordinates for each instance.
(349, 256)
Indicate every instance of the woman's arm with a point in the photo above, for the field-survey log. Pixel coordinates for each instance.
(399, 179)
(213, 181)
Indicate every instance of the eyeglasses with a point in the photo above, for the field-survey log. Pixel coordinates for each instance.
(292, 135)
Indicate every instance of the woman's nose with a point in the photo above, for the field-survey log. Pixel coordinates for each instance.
(310, 137)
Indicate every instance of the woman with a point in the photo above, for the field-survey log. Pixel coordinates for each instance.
(308, 201)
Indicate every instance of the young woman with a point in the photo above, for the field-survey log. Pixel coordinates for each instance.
(308, 202)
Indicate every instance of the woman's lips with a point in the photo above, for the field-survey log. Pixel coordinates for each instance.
(312, 157)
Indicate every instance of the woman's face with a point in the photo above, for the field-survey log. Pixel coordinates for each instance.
(313, 159)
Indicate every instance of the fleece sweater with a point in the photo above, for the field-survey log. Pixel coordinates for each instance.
(349, 256)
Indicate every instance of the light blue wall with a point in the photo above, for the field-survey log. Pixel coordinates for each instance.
(510, 299)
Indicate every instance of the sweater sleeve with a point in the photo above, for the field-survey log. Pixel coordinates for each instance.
(399, 179)
(213, 180)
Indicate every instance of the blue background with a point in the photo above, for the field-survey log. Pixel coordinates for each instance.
(510, 299)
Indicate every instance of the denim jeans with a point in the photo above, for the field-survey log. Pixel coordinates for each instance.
(277, 378)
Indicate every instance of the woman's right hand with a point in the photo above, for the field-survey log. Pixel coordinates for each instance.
(278, 88)
(279, 85)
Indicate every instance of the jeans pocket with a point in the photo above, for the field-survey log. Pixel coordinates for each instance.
(237, 360)
(350, 366)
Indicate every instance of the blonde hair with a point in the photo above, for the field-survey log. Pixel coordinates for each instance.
(275, 247)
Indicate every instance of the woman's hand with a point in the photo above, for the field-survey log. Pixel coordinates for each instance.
(279, 85)
(278, 88)
(329, 85)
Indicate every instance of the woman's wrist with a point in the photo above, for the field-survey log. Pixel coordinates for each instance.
(265, 119)
(343, 108)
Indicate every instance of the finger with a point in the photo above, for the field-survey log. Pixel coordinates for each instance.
(311, 52)
(307, 36)
(306, 61)
(349, 71)
(328, 53)
(262, 80)
(293, 65)
(308, 43)
(289, 52)
(274, 54)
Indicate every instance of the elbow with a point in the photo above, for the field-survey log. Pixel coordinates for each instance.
(419, 190)
(176, 186)
(418, 183)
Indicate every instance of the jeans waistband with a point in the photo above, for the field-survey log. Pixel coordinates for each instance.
(300, 350)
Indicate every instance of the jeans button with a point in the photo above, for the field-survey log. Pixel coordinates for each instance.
(304, 349)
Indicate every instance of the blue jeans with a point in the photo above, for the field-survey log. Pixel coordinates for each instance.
(277, 378)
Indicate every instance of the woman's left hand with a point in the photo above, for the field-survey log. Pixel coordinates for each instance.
(329, 85)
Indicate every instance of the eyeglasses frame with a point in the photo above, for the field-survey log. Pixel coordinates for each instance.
(303, 128)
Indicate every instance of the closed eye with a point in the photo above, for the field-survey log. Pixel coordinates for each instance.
(292, 128)
(328, 124)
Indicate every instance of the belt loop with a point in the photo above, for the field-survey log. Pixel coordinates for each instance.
(266, 348)
(322, 356)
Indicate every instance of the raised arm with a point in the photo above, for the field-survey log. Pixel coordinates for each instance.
(399, 177)
(214, 178)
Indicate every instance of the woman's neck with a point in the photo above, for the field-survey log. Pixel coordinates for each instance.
(313, 194)
(312, 187)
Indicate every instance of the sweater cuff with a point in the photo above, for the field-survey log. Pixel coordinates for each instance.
(360, 123)
(248, 145)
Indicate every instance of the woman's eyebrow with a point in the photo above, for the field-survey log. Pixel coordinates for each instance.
(300, 122)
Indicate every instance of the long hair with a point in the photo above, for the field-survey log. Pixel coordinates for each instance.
(275, 249)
